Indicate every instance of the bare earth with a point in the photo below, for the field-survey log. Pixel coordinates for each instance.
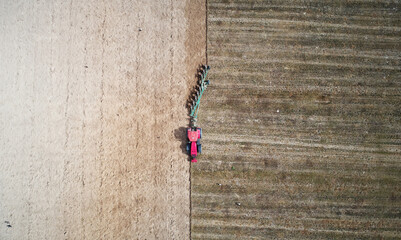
(302, 121)
(88, 109)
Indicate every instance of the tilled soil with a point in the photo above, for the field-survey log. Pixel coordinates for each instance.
(92, 100)
(301, 123)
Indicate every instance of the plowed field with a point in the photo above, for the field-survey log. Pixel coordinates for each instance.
(302, 121)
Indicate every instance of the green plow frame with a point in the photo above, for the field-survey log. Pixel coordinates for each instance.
(203, 83)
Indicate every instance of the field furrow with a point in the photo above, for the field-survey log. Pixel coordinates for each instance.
(301, 123)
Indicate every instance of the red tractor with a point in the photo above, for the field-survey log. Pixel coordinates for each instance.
(193, 146)
(194, 133)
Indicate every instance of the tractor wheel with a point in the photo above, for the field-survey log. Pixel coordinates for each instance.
(199, 148)
(188, 148)
(200, 130)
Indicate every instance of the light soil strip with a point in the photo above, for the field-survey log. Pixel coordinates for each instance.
(91, 97)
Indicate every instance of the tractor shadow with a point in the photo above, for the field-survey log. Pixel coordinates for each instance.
(181, 135)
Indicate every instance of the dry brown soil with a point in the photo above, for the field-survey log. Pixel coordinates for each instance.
(302, 121)
(91, 95)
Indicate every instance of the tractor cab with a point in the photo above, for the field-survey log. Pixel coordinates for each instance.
(194, 146)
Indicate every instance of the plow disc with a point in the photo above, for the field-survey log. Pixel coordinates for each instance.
(197, 93)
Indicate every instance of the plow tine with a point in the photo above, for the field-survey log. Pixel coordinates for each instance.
(197, 91)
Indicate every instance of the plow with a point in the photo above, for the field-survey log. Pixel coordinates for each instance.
(194, 133)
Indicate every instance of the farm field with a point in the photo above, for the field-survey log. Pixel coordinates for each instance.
(91, 94)
(302, 122)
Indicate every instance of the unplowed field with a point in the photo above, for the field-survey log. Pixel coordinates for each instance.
(302, 122)
(91, 95)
